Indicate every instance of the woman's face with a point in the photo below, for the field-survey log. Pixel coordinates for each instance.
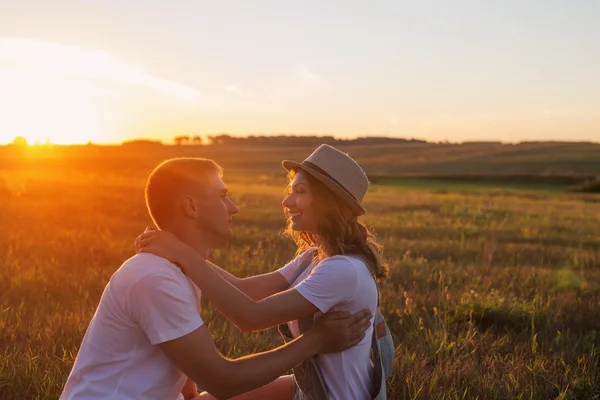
(298, 205)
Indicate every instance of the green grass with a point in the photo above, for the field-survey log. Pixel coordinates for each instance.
(494, 293)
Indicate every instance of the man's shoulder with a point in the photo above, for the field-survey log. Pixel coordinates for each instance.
(145, 265)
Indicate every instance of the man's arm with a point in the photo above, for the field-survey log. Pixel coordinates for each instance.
(256, 287)
(196, 356)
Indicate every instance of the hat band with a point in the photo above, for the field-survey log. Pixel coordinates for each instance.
(323, 172)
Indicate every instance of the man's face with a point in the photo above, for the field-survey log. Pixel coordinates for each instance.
(214, 219)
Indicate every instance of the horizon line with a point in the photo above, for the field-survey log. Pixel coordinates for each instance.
(171, 141)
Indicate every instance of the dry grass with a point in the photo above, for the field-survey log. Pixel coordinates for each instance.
(493, 294)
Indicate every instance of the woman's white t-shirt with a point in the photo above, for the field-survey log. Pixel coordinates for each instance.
(338, 283)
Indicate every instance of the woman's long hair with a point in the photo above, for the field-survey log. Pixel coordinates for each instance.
(340, 232)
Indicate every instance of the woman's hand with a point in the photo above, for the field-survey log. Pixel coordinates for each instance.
(163, 244)
(136, 244)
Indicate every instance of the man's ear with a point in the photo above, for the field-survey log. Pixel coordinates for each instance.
(190, 206)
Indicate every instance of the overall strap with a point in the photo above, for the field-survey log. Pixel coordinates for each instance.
(306, 263)
(379, 327)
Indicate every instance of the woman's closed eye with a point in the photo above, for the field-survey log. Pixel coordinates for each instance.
(299, 189)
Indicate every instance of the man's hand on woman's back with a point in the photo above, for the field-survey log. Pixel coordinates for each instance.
(340, 330)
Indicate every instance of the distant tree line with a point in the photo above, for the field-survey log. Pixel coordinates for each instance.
(186, 140)
(285, 140)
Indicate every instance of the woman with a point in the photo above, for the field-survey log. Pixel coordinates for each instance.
(337, 262)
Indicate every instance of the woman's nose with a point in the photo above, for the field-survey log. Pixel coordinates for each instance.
(286, 202)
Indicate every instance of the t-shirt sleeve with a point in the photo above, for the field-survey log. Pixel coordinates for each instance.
(164, 306)
(332, 282)
(290, 270)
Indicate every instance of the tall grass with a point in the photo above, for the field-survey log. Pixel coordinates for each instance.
(493, 294)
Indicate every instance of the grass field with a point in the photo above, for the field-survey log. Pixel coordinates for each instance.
(494, 292)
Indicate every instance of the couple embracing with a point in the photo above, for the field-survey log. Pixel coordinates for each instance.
(147, 339)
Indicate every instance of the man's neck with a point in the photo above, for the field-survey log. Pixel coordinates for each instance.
(196, 241)
(200, 247)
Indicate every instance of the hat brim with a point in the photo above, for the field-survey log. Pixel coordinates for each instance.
(332, 185)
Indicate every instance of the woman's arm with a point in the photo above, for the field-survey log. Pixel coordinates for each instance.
(247, 314)
(256, 287)
(239, 308)
(190, 390)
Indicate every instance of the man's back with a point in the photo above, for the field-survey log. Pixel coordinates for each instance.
(147, 301)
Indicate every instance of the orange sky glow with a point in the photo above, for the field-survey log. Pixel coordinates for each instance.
(105, 72)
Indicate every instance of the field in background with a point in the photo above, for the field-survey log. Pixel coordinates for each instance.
(494, 292)
(405, 159)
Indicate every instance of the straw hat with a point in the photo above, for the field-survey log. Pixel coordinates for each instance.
(336, 170)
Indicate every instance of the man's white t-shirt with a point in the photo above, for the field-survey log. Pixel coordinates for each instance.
(339, 283)
(147, 301)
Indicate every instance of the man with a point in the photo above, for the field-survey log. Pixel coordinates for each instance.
(147, 336)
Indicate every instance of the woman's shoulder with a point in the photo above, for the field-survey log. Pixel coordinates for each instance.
(347, 258)
(349, 261)
(306, 254)
(342, 260)
(301, 259)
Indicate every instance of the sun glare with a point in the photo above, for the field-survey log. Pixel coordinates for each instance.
(52, 111)
(45, 109)
(58, 111)
(69, 95)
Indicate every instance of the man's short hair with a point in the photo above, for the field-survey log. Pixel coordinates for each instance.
(170, 179)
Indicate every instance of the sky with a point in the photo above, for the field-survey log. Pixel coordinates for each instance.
(110, 70)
